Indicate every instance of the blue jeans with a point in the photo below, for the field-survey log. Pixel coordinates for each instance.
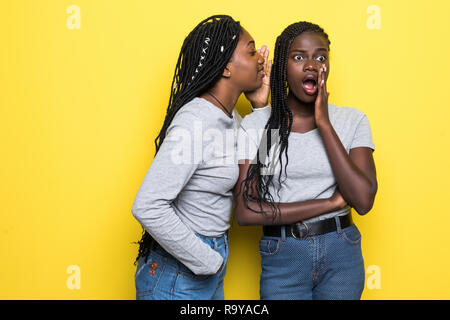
(322, 267)
(172, 280)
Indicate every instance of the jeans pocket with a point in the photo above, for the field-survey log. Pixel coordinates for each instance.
(351, 234)
(148, 274)
(269, 246)
(185, 271)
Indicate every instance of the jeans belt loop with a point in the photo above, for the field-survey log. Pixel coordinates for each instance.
(283, 233)
(214, 239)
(338, 224)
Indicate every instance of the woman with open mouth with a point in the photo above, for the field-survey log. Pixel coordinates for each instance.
(311, 249)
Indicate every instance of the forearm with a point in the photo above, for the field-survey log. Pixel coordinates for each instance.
(288, 212)
(354, 185)
(175, 237)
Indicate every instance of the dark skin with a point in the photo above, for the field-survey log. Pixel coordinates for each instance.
(354, 172)
(245, 72)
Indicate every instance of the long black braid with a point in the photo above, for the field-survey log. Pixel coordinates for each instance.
(203, 58)
(280, 119)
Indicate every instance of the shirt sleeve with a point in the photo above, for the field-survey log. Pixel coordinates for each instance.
(247, 145)
(256, 109)
(166, 177)
(363, 135)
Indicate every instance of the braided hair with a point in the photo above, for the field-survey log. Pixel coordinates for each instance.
(280, 120)
(203, 57)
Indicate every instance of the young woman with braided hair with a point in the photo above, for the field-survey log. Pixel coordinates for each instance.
(185, 207)
(310, 248)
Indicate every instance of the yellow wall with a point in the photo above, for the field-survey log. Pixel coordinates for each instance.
(80, 109)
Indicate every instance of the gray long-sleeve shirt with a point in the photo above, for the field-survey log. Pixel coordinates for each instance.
(188, 187)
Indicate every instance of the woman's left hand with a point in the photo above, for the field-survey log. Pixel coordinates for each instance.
(321, 105)
(259, 98)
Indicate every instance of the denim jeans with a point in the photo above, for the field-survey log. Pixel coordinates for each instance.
(164, 277)
(321, 267)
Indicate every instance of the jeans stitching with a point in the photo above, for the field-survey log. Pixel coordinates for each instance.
(269, 253)
(139, 270)
(148, 292)
(315, 253)
(350, 241)
(324, 254)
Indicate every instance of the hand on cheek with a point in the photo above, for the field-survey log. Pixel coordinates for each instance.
(321, 105)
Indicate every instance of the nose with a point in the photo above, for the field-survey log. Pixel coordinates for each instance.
(310, 65)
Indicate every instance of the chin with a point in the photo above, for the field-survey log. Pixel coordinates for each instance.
(303, 97)
(310, 99)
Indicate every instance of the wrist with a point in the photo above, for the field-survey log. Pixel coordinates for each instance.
(331, 204)
(323, 123)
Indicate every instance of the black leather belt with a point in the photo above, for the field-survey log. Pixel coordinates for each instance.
(301, 230)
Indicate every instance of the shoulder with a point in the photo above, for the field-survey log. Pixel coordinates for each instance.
(196, 110)
(257, 119)
(345, 114)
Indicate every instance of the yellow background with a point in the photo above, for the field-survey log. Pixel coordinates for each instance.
(80, 109)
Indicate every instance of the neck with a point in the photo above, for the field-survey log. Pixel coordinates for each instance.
(300, 108)
(226, 95)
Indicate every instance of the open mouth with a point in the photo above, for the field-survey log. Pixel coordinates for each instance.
(309, 84)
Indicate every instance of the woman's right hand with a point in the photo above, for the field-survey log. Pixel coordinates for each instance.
(337, 200)
(259, 98)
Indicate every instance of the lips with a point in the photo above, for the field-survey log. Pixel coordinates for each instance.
(261, 71)
(309, 84)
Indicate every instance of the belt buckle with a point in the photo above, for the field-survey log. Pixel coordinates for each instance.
(298, 225)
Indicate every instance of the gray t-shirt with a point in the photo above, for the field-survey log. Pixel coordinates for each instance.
(309, 173)
(188, 187)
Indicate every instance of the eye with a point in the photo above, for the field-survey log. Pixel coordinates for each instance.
(298, 55)
(321, 58)
(253, 53)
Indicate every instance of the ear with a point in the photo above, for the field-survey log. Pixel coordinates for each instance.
(227, 71)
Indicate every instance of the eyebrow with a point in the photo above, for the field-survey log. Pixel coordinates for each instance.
(317, 49)
(251, 41)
